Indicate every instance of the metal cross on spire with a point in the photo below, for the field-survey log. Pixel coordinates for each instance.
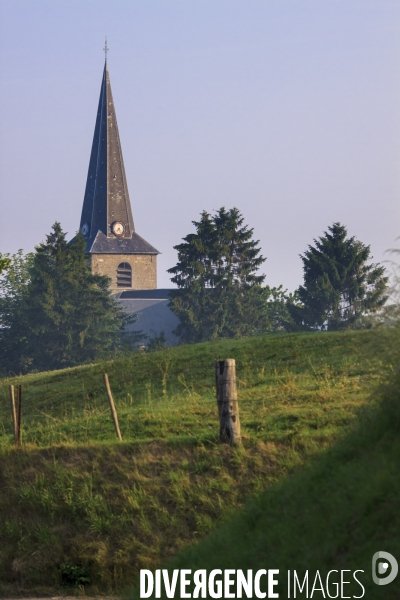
(105, 48)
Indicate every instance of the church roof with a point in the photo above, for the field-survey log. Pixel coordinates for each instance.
(106, 202)
(101, 244)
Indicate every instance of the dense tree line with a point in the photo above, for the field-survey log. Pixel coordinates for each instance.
(220, 293)
(54, 312)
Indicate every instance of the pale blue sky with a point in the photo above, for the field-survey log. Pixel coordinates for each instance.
(287, 109)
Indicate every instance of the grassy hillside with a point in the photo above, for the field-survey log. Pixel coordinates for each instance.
(335, 514)
(80, 508)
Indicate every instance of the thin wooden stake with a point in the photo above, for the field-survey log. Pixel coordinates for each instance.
(112, 406)
(13, 413)
(19, 411)
(228, 409)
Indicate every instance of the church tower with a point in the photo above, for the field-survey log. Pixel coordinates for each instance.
(114, 247)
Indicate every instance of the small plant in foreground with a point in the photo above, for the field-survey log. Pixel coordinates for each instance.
(74, 575)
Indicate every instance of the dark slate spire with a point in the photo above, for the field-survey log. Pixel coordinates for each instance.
(106, 212)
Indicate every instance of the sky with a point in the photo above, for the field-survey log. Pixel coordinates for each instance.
(287, 109)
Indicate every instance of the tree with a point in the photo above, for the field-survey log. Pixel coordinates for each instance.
(54, 312)
(280, 304)
(339, 286)
(4, 262)
(389, 316)
(156, 343)
(219, 293)
(13, 286)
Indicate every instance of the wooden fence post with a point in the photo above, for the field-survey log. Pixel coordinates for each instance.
(19, 412)
(228, 409)
(112, 406)
(13, 413)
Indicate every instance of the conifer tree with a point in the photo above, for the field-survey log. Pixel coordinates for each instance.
(219, 293)
(339, 286)
(64, 315)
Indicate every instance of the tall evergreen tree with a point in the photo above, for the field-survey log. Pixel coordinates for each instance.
(64, 315)
(219, 293)
(339, 286)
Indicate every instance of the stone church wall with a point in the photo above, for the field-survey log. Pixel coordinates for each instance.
(144, 269)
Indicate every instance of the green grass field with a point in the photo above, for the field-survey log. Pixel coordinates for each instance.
(81, 510)
(334, 514)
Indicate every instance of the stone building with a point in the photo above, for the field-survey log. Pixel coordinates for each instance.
(112, 244)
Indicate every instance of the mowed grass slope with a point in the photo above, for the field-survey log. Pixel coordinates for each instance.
(80, 508)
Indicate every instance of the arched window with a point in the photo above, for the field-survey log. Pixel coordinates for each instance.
(124, 275)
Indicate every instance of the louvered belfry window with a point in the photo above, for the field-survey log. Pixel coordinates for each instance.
(124, 275)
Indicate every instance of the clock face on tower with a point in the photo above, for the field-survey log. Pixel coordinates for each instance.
(118, 228)
(85, 229)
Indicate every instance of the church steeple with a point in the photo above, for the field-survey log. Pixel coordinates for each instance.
(106, 197)
(106, 220)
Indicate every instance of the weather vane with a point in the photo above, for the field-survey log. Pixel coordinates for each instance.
(105, 48)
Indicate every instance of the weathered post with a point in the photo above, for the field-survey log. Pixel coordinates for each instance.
(228, 409)
(112, 406)
(19, 412)
(13, 413)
